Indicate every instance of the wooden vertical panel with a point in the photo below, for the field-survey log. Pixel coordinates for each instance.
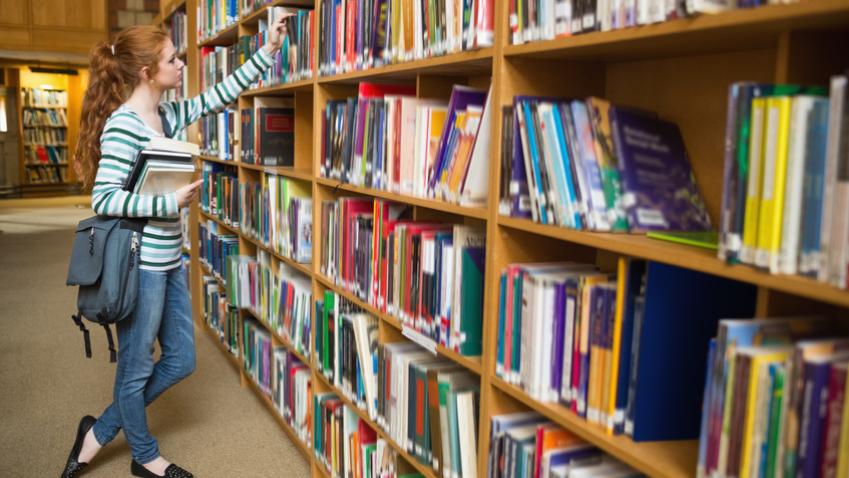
(14, 12)
(304, 130)
(192, 70)
(810, 57)
(489, 330)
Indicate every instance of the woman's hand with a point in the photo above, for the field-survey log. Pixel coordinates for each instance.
(187, 193)
(276, 31)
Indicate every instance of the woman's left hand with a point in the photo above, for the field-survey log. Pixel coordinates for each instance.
(275, 33)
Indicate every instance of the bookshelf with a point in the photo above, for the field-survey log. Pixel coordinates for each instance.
(680, 69)
(44, 121)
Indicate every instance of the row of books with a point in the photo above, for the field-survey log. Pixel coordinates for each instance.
(220, 315)
(42, 98)
(775, 399)
(214, 16)
(277, 211)
(534, 20)
(268, 132)
(46, 155)
(177, 28)
(526, 445)
(45, 174)
(281, 297)
(215, 247)
(425, 404)
(219, 193)
(218, 134)
(356, 35)
(347, 446)
(603, 344)
(46, 136)
(784, 188)
(44, 117)
(428, 275)
(291, 386)
(388, 139)
(587, 164)
(257, 352)
(247, 7)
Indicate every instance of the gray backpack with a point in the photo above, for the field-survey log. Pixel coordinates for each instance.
(105, 265)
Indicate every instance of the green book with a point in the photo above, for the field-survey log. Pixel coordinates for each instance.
(706, 240)
(471, 300)
(775, 428)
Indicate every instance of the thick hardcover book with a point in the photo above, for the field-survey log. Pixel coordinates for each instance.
(670, 347)
(659, 189)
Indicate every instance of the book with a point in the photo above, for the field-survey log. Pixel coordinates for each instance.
(658, 184)
(164, 166)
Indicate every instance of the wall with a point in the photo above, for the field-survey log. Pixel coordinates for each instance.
(125, 13)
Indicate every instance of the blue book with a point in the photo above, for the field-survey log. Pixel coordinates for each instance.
(502, 309)
(815, 159)
(568, 167)
(518, 186)
(682, 310)
(636, 271)
(813, 418)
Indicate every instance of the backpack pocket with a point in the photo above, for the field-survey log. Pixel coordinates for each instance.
(86, 265)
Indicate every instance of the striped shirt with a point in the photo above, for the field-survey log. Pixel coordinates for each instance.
(126, 134)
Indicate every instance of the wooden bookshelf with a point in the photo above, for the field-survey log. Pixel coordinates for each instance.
(680, 69)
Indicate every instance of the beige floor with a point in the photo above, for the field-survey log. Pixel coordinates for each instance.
(208, 424)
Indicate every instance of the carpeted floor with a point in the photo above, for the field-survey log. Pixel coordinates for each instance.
(208, 423)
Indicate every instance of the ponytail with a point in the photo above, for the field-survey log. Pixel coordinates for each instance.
(114, 72)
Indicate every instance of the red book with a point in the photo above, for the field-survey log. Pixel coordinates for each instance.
(834, 413)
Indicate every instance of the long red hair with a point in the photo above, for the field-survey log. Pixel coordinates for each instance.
(115, 70)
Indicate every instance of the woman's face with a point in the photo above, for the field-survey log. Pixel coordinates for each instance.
(170, 74)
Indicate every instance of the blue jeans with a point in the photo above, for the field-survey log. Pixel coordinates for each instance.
(163, 312)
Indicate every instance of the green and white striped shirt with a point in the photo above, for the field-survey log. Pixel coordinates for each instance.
(125, 134)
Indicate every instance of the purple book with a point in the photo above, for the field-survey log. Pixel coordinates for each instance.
(816, 393)
(461, 98)
(559, 328)
(518, 188)
(659, 189)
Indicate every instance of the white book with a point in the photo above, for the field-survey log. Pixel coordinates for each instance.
(474, 189)
(466, 428)
(788, 258)
(163, 177)
(830, 204)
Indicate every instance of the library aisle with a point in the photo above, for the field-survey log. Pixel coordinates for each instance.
(207, 423)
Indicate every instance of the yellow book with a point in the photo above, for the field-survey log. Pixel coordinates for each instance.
(774, 173)
(753, 189)
(843, 456)
(761, 358)
(621, 281)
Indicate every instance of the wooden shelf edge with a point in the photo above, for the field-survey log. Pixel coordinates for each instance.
(673, 459)
(473, 364)
(302, 268)
(688, 257)
(213, 159)
(700, 24)
(233, 230)
(413, 67)
(424, 470)
(299, 85)
(287, 171)
(224, 37)
(436, 205)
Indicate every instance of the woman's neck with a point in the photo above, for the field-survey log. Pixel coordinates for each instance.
(145, 98)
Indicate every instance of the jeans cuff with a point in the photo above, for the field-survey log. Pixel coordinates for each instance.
(98, 436)
(148, 457)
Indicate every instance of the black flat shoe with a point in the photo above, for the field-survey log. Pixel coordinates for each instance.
(173, 471)
(73, 468)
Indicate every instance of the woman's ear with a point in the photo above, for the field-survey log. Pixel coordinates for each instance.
(144, 73)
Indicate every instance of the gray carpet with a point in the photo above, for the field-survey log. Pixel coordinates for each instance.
(208, 424)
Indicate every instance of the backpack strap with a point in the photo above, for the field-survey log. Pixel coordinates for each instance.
(78, 320)
(112, 353)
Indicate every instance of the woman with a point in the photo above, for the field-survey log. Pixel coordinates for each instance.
(121, 112)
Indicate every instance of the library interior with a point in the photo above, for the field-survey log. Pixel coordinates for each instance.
(424, 238)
